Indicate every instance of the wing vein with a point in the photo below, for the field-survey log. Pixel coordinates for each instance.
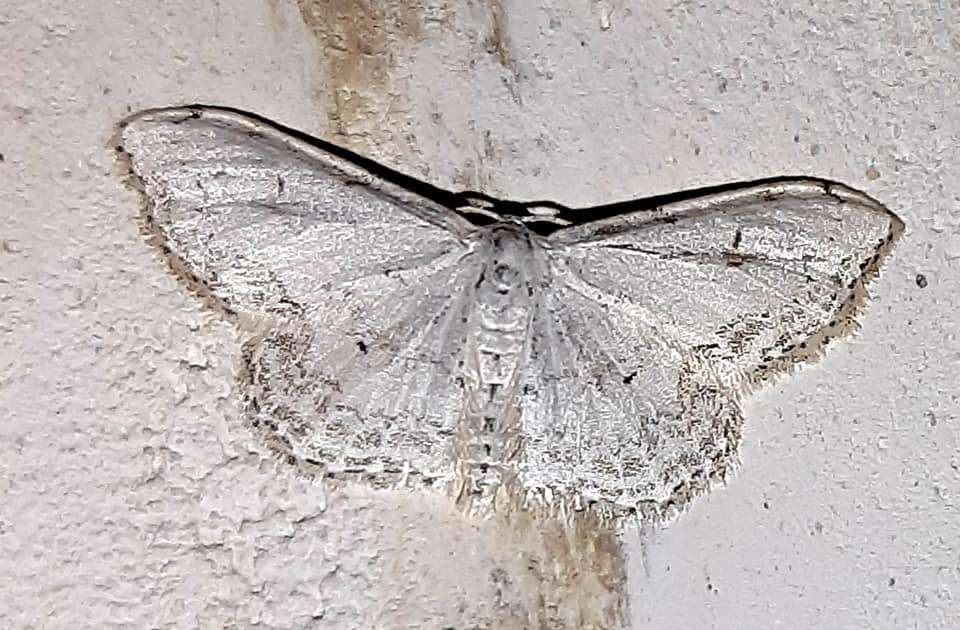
(694, 259)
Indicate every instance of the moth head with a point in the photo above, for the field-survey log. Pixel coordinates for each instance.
(546, 214)
(486, 210)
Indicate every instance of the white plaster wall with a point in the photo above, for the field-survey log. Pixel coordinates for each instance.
(131, 497)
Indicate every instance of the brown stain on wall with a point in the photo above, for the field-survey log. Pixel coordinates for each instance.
(497, 44)
(574, 566)
(497, 40)
(278, 21)
(358, 41)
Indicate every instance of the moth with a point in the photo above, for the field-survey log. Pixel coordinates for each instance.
(411, 335)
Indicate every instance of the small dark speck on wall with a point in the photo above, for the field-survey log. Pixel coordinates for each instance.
(921, 281)
(1, 157)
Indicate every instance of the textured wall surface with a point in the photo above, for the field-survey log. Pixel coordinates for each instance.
(130, 496)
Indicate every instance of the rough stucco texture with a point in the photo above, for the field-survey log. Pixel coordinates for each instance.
(131, 497)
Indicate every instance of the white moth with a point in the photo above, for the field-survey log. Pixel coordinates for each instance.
(422, 336)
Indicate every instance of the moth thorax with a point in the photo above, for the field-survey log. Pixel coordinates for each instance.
(503, 289)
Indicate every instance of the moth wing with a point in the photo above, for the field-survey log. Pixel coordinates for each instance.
(364, 278)
(263, 220)
(654, 322)
(756, 279)
(613, 415)
(368, 382)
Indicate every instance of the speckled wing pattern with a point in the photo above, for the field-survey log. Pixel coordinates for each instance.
(659, 321)
(623, 345)
(363, 282)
